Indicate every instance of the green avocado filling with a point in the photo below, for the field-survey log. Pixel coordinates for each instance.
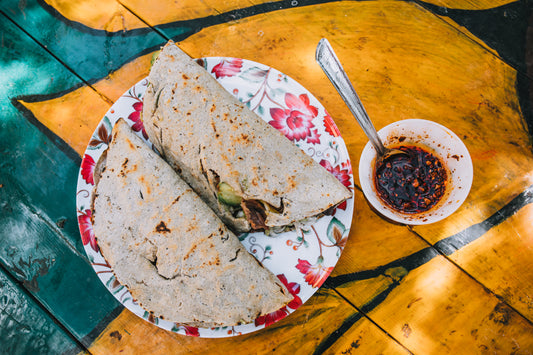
(255, 211)
(227, 195)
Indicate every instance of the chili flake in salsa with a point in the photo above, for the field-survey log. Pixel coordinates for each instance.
(412, 182)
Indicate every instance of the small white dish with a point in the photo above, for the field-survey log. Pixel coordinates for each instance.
(444, 144)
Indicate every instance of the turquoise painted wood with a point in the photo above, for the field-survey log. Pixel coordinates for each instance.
(26, 328)
(92, 54)
(40, 245)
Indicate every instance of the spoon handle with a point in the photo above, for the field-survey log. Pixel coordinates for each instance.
(328, 61)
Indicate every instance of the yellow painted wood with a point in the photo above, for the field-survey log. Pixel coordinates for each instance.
(470, 4)
(170, 11)
(64, 117)
(363, 338)
(374, 242)
(303, 330)
(98, 14)
(73, 116)
(501, 260)
(118, 82)
(438, 309)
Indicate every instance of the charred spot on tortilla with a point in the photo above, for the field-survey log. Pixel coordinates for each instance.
(200, 62)
(162, 228)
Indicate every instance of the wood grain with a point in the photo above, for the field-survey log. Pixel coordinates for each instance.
(470, 4)
(109, 16)
(40, 243)
(304, 330)
(25, 327)
(168, 11)
(438, 309)
(497, 260)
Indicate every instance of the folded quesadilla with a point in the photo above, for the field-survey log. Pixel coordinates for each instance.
(249, 173)
(175, 256)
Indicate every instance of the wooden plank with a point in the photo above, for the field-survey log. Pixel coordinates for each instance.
(499, 253)
(421, 299)
(502, 26)
(436, 308)
(109, 16)
(169, 11)
(470, 4)
(26, 328)
(306, 330)
(41, 245)
(93, 54)
(37, 254)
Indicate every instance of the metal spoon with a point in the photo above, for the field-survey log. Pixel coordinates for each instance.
(328, 61)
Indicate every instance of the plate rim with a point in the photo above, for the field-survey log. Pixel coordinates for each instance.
(243, 328)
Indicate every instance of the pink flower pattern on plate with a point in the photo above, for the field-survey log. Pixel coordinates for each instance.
(271, 318)
(330, 126)
(86, 229)
(135, 116)
(296, 122)
(87, 169)
(190, 331)
(316, 274)
(227, 67)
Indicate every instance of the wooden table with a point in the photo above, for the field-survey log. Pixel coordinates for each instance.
(461, 286)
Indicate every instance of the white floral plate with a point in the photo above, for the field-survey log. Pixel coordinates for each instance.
(303, 258)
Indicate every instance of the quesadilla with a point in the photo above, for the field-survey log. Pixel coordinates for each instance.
(248, 172)
(175, 256)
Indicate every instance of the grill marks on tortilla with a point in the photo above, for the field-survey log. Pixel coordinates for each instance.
(235, 257)
(203, 171)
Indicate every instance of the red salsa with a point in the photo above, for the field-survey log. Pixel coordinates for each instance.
(412, 182)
